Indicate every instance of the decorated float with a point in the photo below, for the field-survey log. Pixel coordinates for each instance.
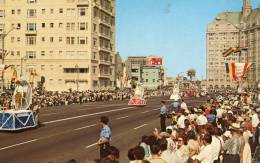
(138, 98)
(17, 115)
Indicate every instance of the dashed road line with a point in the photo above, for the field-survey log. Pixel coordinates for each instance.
(140, 126)
(122, 117)
(144, 112)
(86, 115)
(84, 127)
(15, 145)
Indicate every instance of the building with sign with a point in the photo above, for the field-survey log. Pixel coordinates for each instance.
(71, 43)
(145, 69)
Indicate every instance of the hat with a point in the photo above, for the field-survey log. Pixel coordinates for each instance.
(195, 109)
(227, 134)
(235, 126)
(230, 112)
(200, 111)
(165, 134)
(258, 110)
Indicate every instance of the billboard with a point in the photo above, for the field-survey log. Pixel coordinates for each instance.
(153, 60)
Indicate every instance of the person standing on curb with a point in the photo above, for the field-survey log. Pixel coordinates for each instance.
(163, 114)
(105, 137)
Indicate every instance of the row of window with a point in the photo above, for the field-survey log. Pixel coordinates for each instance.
(81, 26)
(32, 54)
(31, 40)
(32, 13)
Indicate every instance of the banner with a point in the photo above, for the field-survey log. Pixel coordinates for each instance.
(237, 71)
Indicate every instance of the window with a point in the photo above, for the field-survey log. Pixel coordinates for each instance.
(61, 10)
(51, 11)
(18, 26)
(82, 11)
(94, 41)
(31, 1)
(94, 69)
(13, 12)
(43, 25)
(70, 40)
(43, 11)
(146, 80)
(51, 25)
(51, 67)
(31, 40)
(31, 13)
(18, 39)
(95, 27)
(42, 53)
(60, 25)
(51, 39)
(42, 67)
(70, 27)
(60, 39)
(70, 11)
(18, 11)
(31, 54)
(82, 26)
(43, 39)
(18, 53)
(31, 27)
(12, 39)
(82, 40)
(2, 13)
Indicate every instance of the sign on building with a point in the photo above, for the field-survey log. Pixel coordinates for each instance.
(154, 60)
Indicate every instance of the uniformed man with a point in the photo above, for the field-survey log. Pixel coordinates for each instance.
(163, 114)
(105, 137)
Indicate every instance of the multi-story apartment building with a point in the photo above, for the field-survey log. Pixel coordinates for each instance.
(69, 43)
(233, 29)
(134, 66)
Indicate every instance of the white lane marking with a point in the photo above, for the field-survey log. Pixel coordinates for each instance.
(85, 115)
(11, 146)
(85, 127)
(144, 112)
(91, 145)
(122, 117)
(157, 109)
(140, 126)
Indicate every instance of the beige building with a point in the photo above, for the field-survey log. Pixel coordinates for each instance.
(71, 43)
(233, 29)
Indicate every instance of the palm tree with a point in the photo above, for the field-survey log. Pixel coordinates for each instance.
(191, 73)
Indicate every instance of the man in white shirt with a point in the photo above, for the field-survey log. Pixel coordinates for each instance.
(206, 155)
(184, 105)
(201, 120)
(181, 120)
(255, 119)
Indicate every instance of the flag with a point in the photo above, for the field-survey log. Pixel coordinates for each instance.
(234, 74)
(227, 68)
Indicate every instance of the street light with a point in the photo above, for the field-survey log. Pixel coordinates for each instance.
(3, 53)
(77, 81)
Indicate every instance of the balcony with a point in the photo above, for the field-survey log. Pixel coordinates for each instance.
(82, 3)
(31, 33)
(103, 75)
(104, 49)
(107, 37)
(108, 24)
(104, 62)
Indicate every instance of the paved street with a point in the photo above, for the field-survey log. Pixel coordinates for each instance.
(71, 132)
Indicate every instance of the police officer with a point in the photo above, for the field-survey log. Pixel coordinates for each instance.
(163, 114)
(105, 137)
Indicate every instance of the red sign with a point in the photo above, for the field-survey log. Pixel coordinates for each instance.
(154, 60)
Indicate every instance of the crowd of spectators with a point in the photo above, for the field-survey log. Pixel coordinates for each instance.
(223, 130)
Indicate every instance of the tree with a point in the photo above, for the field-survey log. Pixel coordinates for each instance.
(191, 73)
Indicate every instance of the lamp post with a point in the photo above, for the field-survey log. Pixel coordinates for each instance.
(3, 53)
(77, 80)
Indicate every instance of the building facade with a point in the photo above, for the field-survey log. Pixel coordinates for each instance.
(134, 66)
(234, 29)
(151, 76)
(70, 43)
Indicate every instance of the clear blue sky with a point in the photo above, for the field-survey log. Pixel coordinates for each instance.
(174, 29)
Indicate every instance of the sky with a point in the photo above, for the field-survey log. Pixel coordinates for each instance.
(173, 29)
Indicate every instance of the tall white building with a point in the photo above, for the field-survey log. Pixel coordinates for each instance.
(224, 33)
(71, 43)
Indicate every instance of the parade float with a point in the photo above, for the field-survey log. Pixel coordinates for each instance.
(18, 115)
(138, 98)
(175, 93)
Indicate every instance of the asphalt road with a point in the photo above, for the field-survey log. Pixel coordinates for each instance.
(72, 131)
